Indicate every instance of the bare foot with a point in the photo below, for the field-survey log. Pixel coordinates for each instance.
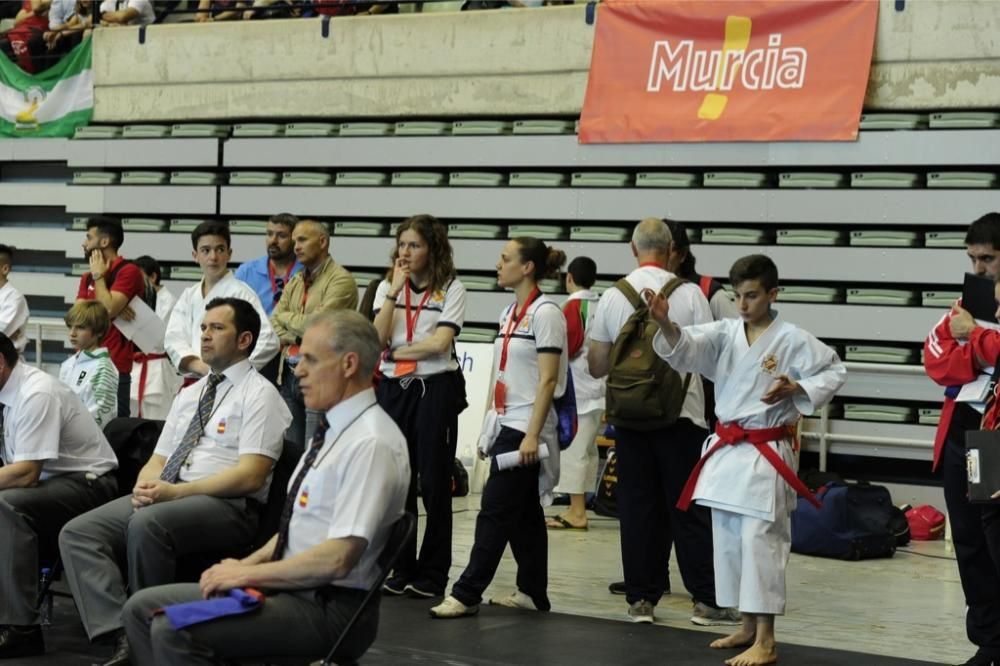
(756, 655)
(741, 638)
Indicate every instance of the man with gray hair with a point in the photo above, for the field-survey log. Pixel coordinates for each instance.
(654, 460)
(322, 286)
(345, 495)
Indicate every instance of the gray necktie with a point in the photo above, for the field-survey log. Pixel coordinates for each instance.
(206, 404)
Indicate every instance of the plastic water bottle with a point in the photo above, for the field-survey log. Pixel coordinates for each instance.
(45, 612)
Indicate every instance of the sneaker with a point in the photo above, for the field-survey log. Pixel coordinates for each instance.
(517, 599)
(641, 611)
(706, 616)
(395, 585)
(980, 659)
(452, 607)
(619, 588)
(422, 590)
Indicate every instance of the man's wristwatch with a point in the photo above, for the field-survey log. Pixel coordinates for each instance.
(97, 276)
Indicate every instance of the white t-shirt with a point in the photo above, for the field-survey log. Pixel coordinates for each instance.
(14, 316)
(589, 390)
(541, 331)
(687, 306)
(183, 336)
(443, 308)
(355, 488)
(93, 377)
(249, 417)
(144, 7)
(44, 420)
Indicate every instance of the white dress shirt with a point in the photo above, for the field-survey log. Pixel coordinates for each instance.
(14, 316)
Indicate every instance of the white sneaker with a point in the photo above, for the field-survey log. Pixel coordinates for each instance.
(452, 607)
(706, 616)
(641, 611)
(517, 599)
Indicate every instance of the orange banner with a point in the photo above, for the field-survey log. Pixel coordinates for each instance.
(728, 70)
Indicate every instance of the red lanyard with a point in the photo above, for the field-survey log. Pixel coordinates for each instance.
(512, 326)
(412, 323)
(270, 275)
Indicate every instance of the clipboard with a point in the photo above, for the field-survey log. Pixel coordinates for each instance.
(978, 297)
(982, 460)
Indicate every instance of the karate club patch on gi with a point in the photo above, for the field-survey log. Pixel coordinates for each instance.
(221, 428)
(770, 364)
(304, 498)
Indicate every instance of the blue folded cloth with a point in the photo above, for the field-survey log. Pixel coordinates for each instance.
(237, 602)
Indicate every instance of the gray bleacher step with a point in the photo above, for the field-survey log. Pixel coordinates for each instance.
(939, 299)
(306, 178)
(79, 223)
(307, 129)
(964, 120)
(479, 282)
(97, 132)
(810, 294)
(185, 273)
(264, 130)
(810, 237)
(886, 179)
(961, 179)
(145, 131)
(203, 178)
(477, 334)
(600, 179)
(541, 231)
(874, 296)
(551, 286)
(667, 179)
(537, 179)
(734, 235)
(359, 228)
(811, 179)
(143, 224)
(144, 177)
(476, 179)
(259, 178)
(422, 128)
(361, 178)
(738, 179)
(884, 238)
(363, 278)
(417, 179)
(95, 177)
(600, 286)
(856, 411)
(184, 225)
(893, 121)
(543, 126)
(463, 230)
(944, 239)
(79, 269)
(475, 126)
(365, 129)
(199, 131)
(881, 354)
(607, 234)
(928, 416)
(248, 226)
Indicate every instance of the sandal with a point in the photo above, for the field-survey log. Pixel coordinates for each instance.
(560, 523)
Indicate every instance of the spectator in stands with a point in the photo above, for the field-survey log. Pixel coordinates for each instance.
(578, 463)
(56, 465)
(113, 282)
(499, 4)
(270, 274)
(420, 308)
(155, 381)
(200, 492)
(69, 23)
(212, 250)
(530, 364)
(13, 306)
(127, 12)
(264, 9)
(25, 43)
(317, 567)
(220, 10)
(322, 285)
(89, 372)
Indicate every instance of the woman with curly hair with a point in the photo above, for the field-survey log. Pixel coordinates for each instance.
(419, 309)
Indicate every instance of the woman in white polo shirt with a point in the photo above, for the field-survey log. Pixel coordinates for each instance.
(419, 309)
(530, 367)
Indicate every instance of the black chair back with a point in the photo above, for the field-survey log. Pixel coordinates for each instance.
(133, 441)
(280, 476)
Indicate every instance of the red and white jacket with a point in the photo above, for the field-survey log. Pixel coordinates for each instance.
(952, 363)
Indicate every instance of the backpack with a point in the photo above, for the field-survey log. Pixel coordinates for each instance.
(606, 499)
(149, 297)
(855, 522)
(642, 391)
(926, 523)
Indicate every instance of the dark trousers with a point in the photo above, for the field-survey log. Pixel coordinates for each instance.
(510, 513)
(124, 389)
(426, 411)
(975, 533)
(652, 470)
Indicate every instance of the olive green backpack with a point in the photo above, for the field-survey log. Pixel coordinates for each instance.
(643, 392)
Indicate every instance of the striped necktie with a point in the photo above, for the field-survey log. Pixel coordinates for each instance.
(3, 442)
(293, 491)
(171, 471)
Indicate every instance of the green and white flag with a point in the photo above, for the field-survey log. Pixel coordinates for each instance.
(53, 103)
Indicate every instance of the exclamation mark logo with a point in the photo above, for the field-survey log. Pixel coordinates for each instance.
(737, 39)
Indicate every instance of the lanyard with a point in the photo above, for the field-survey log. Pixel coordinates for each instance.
(271, 276)
(412, 323)
(512, 326)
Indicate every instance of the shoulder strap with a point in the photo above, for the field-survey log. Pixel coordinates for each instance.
(705, 282)
(671, 286)
(630, 293)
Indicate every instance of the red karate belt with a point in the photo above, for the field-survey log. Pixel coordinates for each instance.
(139, 357)
(731, 434)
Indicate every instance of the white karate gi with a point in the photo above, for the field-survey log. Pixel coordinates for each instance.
(750, 501)
(162, 380)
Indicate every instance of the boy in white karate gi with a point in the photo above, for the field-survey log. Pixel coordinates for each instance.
(766, 372)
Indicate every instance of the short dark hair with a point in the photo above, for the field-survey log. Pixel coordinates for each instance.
(211, 228)
(584, 271)
(245, 317)
(109, 228)
(149, 266)
(754, 267)
(682, 244)
(284, 219)
(8, 351)
(6, 254)
(985, 231)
